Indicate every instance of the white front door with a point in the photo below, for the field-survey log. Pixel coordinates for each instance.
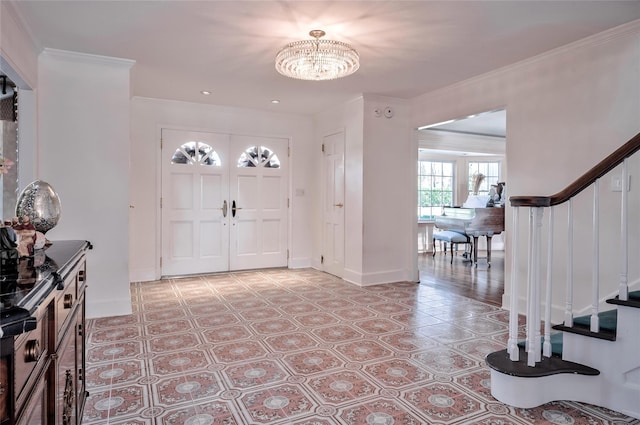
(333, 204)
(224, 202)
(195, 192)
(258, 197)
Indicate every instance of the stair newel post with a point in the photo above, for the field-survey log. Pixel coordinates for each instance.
(595, 279)
(568, 312)
(623, 289)
(546, 348)
(512, 344)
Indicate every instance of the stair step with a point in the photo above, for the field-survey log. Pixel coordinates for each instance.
(582, 325)
(553, 365)
(556, 344)
(633, 301)
(608, 320)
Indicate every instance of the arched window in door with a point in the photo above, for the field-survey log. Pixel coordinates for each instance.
(196, 153)
(258, 156)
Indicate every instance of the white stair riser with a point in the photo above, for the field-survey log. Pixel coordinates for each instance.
(532, 392)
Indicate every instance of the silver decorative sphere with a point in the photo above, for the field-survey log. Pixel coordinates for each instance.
(41, 204)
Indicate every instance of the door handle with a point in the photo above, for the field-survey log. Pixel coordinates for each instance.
(234, 208)
(224, 208)
(340, 205)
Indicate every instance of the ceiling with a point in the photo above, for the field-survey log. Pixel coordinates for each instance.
(228, 47)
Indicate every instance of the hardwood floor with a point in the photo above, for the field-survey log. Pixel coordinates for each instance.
(480, 283)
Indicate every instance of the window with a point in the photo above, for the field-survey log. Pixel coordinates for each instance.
(259, 156)
(491, 172)
(196, 153)
(435, 188)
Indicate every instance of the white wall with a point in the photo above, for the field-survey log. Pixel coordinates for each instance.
(150, 115)
(83, 120)
(566, 110)
(389, 193)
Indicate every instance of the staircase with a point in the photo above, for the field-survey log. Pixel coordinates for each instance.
(592, 358)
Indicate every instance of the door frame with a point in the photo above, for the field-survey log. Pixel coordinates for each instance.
(158, 183)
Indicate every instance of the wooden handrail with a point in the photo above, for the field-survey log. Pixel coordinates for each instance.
(582, 182)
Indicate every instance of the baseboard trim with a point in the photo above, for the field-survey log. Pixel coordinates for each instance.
(300, 263)
(143, 275)
(108, 308)
(376, 278)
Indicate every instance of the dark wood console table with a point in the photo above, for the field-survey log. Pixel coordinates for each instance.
(42, 337)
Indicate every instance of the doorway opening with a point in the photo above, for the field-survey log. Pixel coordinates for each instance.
(461, 163)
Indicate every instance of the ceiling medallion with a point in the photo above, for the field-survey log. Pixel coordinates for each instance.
(317, 59)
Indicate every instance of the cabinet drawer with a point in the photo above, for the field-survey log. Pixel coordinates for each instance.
(81, 278)
(31, 351)
(65, 301)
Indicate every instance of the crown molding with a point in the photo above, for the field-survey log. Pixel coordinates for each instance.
(370, 97)
(85, 58)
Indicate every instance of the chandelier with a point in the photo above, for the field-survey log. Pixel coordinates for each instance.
(317, 59)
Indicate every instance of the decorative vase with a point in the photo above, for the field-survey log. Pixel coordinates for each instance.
(40, 202)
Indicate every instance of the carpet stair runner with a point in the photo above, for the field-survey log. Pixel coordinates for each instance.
(582, 325)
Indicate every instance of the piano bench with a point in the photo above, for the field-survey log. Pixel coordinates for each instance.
(450, 237)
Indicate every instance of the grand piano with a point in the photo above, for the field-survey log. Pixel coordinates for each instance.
(473, 222)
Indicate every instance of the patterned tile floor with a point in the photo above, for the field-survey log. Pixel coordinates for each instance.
(303, 347)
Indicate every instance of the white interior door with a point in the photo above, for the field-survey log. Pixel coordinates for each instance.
(258, 199)
(224, 202)
(333, 208)
(195, 206)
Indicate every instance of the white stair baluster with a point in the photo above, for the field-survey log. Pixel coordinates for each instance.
(537, 236)
(546, 349)
(623, 289)
(568, 312)
(512, 343)
(531, 326)
(595, 283)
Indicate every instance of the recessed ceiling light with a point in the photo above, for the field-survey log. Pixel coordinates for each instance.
(205, 92)
(275, 101)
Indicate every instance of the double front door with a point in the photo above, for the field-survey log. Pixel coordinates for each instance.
(224, 202)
